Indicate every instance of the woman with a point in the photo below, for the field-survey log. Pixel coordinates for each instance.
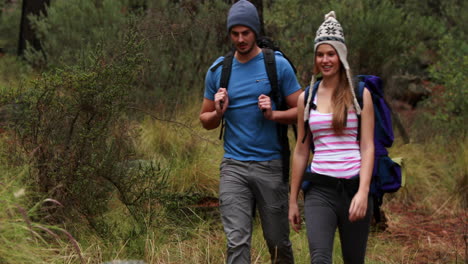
(340, 172)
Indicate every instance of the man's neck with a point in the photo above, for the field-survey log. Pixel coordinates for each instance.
(243, 58)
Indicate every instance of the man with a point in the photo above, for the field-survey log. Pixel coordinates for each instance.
(251, 170)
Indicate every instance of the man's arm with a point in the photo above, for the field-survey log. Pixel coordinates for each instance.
(212, 111)
(288, 116)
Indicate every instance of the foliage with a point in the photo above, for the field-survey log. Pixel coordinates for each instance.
(185, 37)
(13, 70)
(178, 51)
(380, 36)
(10, 17)
(23, 239)
(192, 156)
(449, 102)
(73, 123)
(447, 108)
(134, 181)
(73, 28)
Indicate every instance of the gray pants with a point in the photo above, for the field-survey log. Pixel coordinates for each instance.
(245, 185)
(326, 208)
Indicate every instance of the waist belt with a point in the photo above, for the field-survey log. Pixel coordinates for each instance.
(342, 185)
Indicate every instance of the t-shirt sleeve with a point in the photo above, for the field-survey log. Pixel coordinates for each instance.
(286, 76)
(212, 80)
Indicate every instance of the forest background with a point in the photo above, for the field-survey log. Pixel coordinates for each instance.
(103, 158)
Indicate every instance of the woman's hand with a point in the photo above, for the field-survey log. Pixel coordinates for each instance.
(294, 216)
(358, 207)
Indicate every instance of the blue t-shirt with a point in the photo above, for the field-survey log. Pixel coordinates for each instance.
(248, 134)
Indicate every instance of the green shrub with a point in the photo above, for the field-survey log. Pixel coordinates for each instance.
(10, 18)
(448, 104)
(72, 122)
(380, 36)
(23, 237)
(73, 28)
(185, 37)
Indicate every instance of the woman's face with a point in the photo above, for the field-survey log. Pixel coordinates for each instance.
(327, 60)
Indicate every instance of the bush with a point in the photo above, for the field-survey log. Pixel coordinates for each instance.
(23, 237)
(380, 36)
(448, 105)
(72, 123)
(185, 37)
(73, 28)
(10, 17)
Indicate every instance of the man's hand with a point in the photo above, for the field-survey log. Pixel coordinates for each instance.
(264, 103)
(221, 101)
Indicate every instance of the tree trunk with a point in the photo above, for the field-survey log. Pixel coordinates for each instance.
(259, 5)
(27, 34)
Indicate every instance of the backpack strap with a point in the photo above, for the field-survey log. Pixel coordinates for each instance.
(270, 66)
(275, 94)
(224, 80)
(359, 91)
(226, 71)
(313, 106)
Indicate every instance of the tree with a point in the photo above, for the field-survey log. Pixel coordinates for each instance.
(27, 33)
(259, 5)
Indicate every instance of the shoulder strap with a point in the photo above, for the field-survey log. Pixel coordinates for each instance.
(359, 91)
(224, 80)
(226, 71)
(270, 66)
(312, 106)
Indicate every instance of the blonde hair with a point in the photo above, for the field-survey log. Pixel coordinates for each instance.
(342, 99)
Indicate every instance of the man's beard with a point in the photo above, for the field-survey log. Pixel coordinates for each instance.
(245, 51)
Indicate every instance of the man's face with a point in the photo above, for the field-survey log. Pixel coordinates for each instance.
(243, 39)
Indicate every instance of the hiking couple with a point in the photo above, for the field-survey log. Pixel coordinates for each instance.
(252, 175)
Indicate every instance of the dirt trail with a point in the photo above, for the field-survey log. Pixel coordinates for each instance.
(436, 238)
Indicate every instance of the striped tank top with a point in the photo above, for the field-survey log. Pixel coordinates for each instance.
(335, 155)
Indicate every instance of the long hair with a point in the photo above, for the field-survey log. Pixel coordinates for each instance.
(342, 99)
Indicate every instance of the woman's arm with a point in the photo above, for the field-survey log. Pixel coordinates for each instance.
(358, 206)
(299, 164)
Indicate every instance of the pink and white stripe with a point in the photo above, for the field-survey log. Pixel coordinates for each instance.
(335, 155)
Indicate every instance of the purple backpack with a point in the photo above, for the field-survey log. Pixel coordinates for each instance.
(386, 177)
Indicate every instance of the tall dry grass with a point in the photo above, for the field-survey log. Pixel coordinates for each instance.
(192, 153)
(24, 236)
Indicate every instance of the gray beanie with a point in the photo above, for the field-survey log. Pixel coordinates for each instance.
(243, 13)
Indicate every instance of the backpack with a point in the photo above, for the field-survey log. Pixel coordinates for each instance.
(268, 49)
(387, 174)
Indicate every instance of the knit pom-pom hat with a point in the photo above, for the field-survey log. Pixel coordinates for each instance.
(331, 32)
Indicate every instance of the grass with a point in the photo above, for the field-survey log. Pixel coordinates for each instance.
(431, 196)
(23, 238)
(192, 154)
(426, 219)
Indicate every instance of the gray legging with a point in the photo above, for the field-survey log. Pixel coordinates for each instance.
(326, 208)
